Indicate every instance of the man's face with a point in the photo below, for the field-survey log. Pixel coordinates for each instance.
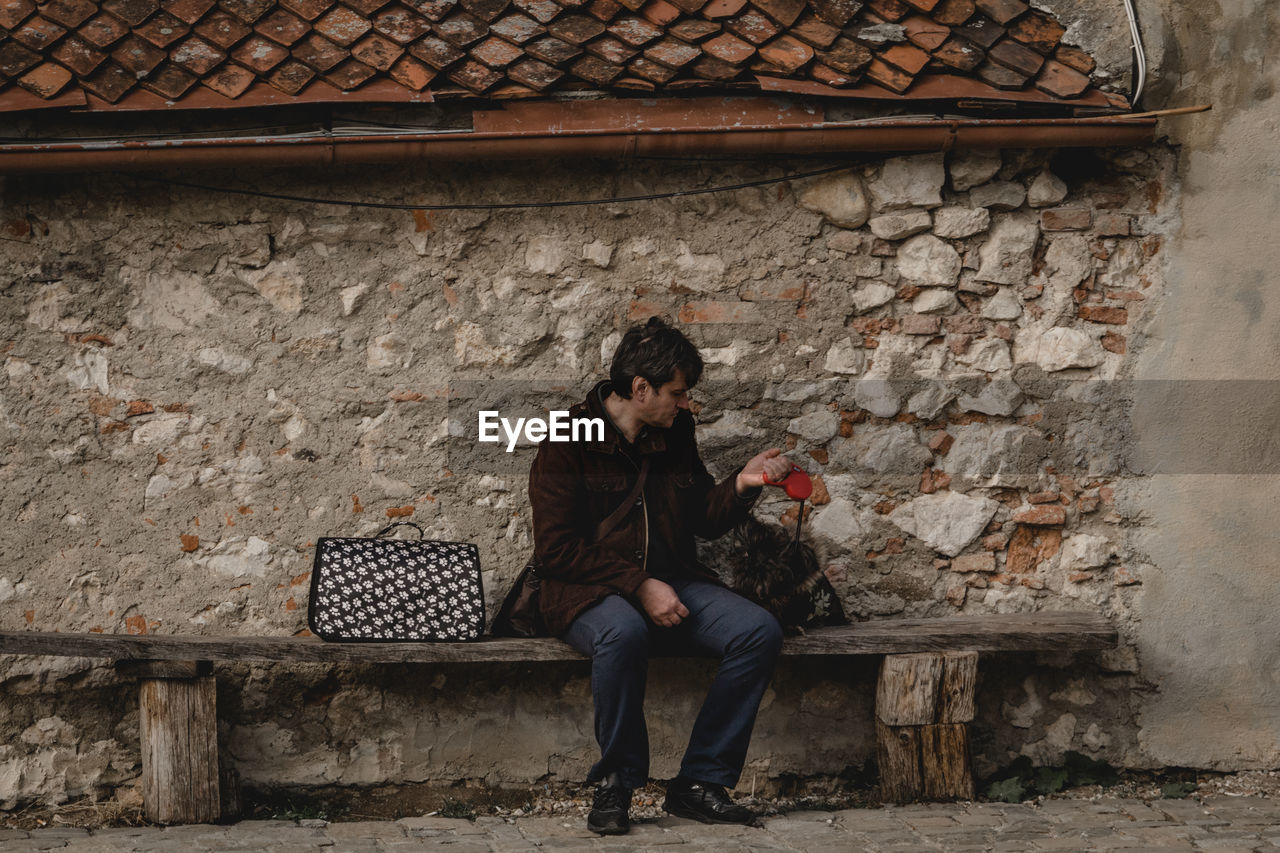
(659, 407)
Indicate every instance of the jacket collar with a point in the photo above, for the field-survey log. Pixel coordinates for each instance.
(650, 440)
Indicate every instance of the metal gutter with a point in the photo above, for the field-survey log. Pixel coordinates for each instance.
(546, 143)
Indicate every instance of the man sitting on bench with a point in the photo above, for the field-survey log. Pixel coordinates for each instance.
(619, 584)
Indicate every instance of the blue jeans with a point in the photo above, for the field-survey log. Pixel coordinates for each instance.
(619, 638)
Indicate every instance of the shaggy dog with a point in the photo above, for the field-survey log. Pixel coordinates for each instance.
(784, 577)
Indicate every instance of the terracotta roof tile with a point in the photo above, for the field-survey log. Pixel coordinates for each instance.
(893, 79)
(652, 71)
(496, 53)
(1073, 57)
(461, 29)
(924, 33)
(222, 29)
(789, 54)
(906, 58)
(45, 80)
(717, 10)
(517, 48)
(318, 52)
(308, 10)
(247, 11)
(170, 81)
(889, 10)
(575, 29)
(343, 26)
(715, 69)
(729, 48)
(434, 51)
(672, 53)
(814, 32)
(78, 55)
(1038, 32)
(1061, 81)
(831, 77)
(635, 31)
(291, 76)
(752, 26)
(411, 73)
(188, 11)
(486, 10)
(610, 49)
(138, 56)
(38, 33)
(110, 82)
(953, 13)
(197, 55)
(783, 12)
(283, 27)
(962, 55)
(376, 51)
(230, 80)
(980, 30)
(536, 74)
(1000, 77)
(552, 50)
(162, 30)
(660, 12)
(542, 11)
(837, 13)
(1002, 11)
(103, 30)
(349, 75)
(474, 76)
(846, 56)
(633, 84)
(434, 10)
(131, 12)
(604, 10)
(259, 54)
(517, 28)
(693, 30)
(14, 12)
(1016, 57)
(596, 70)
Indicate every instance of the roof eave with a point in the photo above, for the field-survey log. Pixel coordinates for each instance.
(884, 136)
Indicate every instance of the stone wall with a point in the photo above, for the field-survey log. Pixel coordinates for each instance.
(197, 386)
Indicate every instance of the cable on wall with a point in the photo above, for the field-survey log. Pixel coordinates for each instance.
(1140, 57)
(520, 205)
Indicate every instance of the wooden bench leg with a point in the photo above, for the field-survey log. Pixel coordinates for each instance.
(924, 703)
(179, 734)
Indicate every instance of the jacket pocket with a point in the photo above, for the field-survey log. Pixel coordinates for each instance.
(605, 483)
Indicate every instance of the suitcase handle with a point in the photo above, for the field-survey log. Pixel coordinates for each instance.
(391, 527)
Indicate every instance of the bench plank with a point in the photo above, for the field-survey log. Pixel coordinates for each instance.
(1021, 632)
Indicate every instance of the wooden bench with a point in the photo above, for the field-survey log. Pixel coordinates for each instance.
(924, 696)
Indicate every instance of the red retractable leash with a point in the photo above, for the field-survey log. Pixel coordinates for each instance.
(798, 487)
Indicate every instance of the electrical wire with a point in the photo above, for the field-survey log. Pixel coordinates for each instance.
(1140, 56)
(522, 205)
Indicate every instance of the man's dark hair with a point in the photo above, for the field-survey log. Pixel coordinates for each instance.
(655, 351)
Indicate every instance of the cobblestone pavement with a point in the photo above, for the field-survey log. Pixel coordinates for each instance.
(1222, 824)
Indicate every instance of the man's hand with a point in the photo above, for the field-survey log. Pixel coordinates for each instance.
(771, 463)
(661, 603)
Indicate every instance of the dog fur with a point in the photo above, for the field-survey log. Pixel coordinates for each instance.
(786, 580)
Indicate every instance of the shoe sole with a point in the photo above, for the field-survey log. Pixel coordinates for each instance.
(701, 818)
(608, 830)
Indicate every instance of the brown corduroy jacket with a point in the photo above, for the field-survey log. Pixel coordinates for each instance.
(573, 486)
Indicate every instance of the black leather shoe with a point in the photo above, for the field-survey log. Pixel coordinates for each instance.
(609, 807)
(705, 802)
